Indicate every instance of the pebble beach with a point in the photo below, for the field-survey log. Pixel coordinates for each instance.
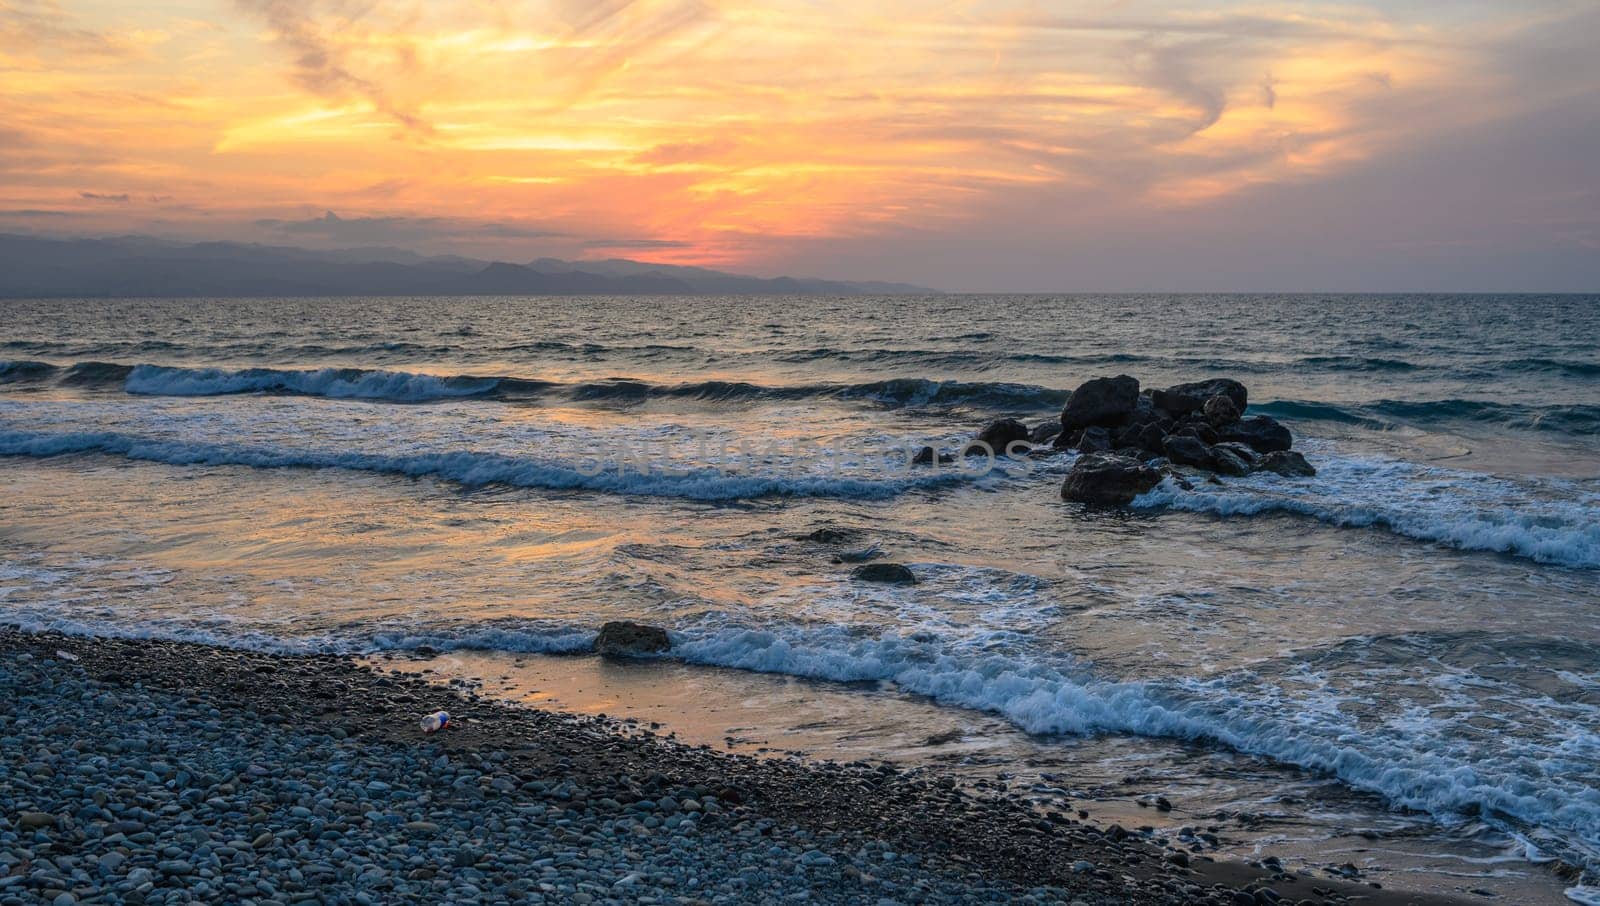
(157, 772)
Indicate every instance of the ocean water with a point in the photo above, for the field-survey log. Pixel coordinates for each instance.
(1417, 629)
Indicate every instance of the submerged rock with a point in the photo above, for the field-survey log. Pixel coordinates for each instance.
(1261, 433)
(928, 455)
(1287, 463)
(624, 639)
(1107, 479)
(1101, 401)
(890, 573)
(831, 535)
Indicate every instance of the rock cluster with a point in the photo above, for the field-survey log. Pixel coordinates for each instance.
(1134, 437)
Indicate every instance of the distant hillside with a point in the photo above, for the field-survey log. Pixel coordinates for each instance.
(136, 266)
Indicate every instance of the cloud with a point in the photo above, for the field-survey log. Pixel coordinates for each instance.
(401, 229)
(122, 198)
(636, 244)
(29, 25)
(35, 212)
(685, 152)
(320, 66)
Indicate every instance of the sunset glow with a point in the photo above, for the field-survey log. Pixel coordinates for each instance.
(727, 134)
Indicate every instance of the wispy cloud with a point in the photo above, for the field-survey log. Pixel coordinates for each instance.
(320, 64)
(34, 25)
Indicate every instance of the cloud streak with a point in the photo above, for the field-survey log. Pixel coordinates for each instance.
(320, 63)
(399, 229)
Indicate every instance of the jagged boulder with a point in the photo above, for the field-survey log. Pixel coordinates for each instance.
(1287, 463)
(625, 639)
(1260, 433)
(1108, 480)
(1101, 401)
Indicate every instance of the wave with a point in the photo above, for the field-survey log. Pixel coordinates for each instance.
(474, 469)
(415, 387)
(95, 374)
(1356, 363)
(1552, 522)
(336, 383)
(1575, 419)
(1410, 765)
(1414, 763)
(25, 372)
(1573, 367)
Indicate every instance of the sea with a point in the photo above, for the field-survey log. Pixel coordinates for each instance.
(1390, 670)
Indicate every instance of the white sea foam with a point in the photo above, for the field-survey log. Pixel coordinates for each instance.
(475, 468)
(1546, 521)
(1411, 758)
(1408, 760)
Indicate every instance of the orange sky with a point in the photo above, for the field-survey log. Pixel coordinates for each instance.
(722, 133)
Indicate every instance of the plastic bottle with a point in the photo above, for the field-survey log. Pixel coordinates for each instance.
(435, 722)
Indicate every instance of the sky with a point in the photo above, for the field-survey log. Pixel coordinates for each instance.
(1137, 145)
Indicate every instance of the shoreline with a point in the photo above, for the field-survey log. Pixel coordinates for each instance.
(277, 736)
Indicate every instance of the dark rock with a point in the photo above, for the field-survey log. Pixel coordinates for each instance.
(1241, 450)
(1045, 433)
(1181, 399)
(1094, 440)
(35, 820)
(1001, 434)
(1220, 411)
(1101, 401)
(833, 535)
(1108, 480)
(1228, 461)
(926, 456)
(1186, 450)
(1146, 436)
(624, 639)
(1198, 430)
(1261, 433)
(891, 573)
(1287, 463)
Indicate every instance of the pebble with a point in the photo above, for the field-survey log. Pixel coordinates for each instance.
(137, 793)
